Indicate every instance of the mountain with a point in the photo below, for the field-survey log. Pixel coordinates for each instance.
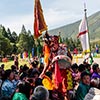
(71, 30)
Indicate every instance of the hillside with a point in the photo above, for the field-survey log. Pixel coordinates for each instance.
(71, 30)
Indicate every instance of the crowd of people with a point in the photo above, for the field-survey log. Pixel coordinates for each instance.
(24, 83)
(52, 76)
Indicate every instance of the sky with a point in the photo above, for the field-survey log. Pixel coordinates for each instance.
(15, 13)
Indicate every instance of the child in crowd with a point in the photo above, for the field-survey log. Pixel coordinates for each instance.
(75, 74)
(84, 86)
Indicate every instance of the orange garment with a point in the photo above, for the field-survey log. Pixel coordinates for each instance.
(46, 54)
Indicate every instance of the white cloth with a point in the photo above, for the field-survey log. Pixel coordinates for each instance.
(94, 94)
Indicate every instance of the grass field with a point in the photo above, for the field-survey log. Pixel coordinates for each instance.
(9, 63)
(22, 62)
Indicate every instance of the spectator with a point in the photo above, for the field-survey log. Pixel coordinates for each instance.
(81, 68)
(96, 71)
(7, 88)
(22, 91)
(88, 68)
(16, 63)
(94, 92)
(16, 80)
(24, 73)
(40, 93)
(84, 86)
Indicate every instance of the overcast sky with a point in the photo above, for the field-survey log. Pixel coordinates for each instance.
(15, 13)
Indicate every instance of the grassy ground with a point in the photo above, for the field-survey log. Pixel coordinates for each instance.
(9, 63)
(22, 62)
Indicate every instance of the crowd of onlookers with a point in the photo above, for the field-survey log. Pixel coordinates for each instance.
(86, 81)
(24, 83)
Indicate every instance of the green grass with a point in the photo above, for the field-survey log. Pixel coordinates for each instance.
(9, 63)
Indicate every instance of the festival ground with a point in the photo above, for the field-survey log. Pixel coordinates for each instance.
(80, 60)
(22, 62)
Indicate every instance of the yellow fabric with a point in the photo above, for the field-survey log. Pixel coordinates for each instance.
(69, 80)
(47, 83)
(86, 51)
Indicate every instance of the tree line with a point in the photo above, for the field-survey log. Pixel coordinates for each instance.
(13, 43)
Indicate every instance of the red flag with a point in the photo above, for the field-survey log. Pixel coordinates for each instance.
(39, 22)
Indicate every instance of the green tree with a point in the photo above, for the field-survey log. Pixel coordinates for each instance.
(5, 46)
(9, 35)
(14, 37)
(3, 31)
(23, 30)
(25, 40)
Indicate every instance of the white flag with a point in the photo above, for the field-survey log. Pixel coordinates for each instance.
(83, 35)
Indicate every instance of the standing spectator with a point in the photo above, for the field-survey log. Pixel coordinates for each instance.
(16, 63)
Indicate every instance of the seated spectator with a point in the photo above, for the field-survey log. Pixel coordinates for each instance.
(24, 73)
(38, 81)
(22, 91)
(7, 88)
(75, 74)
(16, 80)
(84, 86)
(88, 68)
(94, 92)
(13, 68)
(81, 68)
(96, 71)
(40, 93)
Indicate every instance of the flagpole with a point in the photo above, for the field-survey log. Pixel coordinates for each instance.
(85, 11)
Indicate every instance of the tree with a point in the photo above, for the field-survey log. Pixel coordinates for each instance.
(14, 49)
(25, 40)
(9, 35)
(3, 31)
(5, 46)
(71, 44)
(14, 37)
(23, 31)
